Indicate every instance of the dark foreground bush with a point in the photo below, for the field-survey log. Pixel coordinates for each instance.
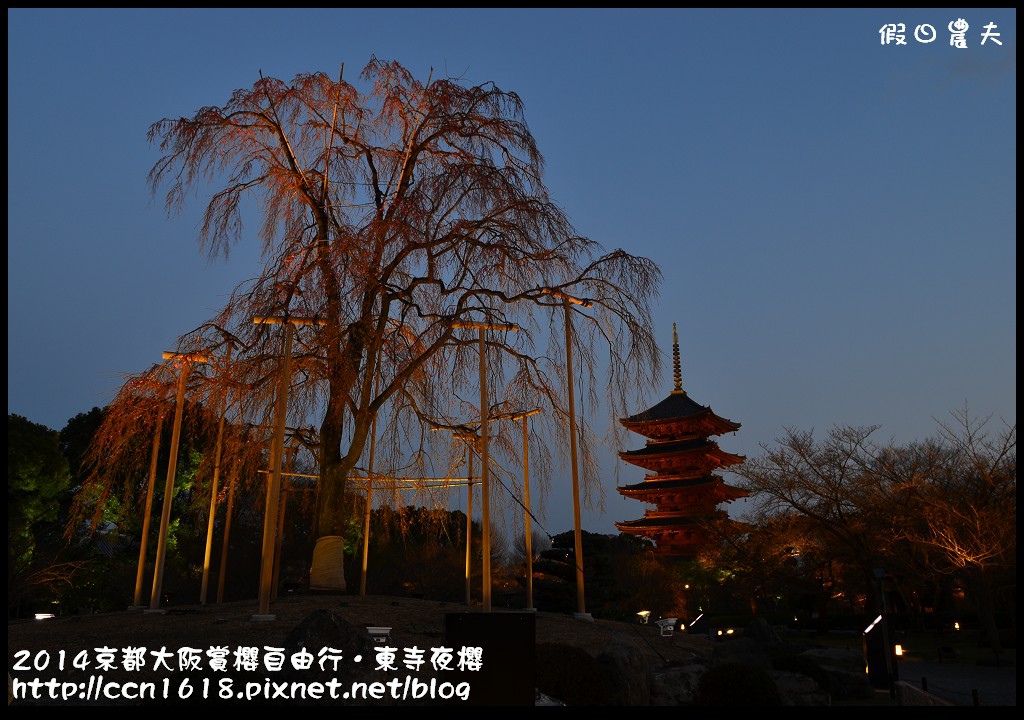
(806, 666)
(734, 685)
(571, 675)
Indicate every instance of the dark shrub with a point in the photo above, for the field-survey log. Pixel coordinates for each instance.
(737, 685)
(572, 675)
(807, 666)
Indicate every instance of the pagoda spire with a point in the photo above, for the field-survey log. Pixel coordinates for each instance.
(676, 372)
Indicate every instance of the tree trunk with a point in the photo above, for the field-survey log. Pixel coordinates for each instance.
(327, 569)
(981, 597)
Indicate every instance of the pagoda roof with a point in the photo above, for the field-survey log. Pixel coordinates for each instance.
(671, 447)
(679, 406)
(668, 521)
(657, 486)
(675, 448)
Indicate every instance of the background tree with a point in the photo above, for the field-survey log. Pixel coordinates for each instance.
(764, 561)
(419, 551)
(827, 485)
(539, 542)
(37, 482)
(119, 483)
(964, 512)
(75, 438)
(623, 577)
(392, 216)
(945, 506)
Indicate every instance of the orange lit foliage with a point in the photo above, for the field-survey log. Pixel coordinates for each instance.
(390, 214)
(944, 506)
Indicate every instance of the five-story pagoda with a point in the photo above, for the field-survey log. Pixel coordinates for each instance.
(681, 461)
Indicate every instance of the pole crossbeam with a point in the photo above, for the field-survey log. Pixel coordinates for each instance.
(473, 325)
(281, 319)
(566, 297)
(192, 357)
(361, 482)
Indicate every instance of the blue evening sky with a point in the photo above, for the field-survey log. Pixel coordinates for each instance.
(835, 217)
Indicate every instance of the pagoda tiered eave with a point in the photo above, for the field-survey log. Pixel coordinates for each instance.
(668, 455)
(655, 488)
(678, 416)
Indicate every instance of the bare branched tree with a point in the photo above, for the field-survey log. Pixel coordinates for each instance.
(945, 505)
(825, 483)
(966, 510)
(393, 217)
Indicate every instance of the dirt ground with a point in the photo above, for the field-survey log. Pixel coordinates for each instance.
(413, 622)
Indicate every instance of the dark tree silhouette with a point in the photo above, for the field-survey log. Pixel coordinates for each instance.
(37, 481)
